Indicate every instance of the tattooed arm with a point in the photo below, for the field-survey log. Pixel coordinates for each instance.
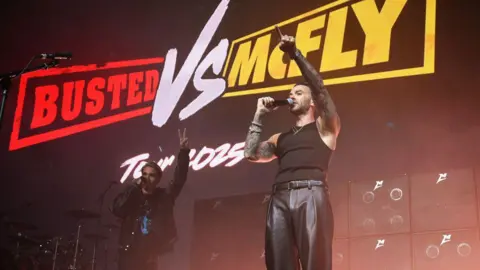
(256, 150)
(328, 118)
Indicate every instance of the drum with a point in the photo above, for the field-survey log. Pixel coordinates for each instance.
(64, 256)
(45, 255)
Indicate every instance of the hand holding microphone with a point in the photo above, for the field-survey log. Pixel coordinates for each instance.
(140, 181)
(268, 104)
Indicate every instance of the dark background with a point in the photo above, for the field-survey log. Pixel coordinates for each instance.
(403, 125)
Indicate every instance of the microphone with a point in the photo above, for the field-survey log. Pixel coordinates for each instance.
(56, 56)
(283, 102)
(141, 178)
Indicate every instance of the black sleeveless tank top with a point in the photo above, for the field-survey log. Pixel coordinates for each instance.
(302, 155)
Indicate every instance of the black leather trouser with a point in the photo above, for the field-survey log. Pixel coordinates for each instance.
(299, 227)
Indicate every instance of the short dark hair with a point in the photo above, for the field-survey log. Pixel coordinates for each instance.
(303, 83)
(152, 164)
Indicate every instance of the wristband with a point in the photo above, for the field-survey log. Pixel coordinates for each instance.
(257, 124)
(255, 128)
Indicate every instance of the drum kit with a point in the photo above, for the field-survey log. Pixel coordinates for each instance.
(41, 252)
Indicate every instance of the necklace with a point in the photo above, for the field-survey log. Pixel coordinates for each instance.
(296, 130)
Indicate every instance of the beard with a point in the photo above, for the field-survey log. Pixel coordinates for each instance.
(297, 109)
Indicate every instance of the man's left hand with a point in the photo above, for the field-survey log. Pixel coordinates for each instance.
(287, 43)
(183, 139)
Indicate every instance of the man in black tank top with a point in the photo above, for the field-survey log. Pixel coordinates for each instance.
(299, 227)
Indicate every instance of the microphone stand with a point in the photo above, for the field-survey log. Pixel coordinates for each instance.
(101, 199)
(6, 81)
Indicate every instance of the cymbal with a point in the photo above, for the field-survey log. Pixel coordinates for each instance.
(42, 237)
(23, 240)
(94, 236)
(21, 226)
(83, 214)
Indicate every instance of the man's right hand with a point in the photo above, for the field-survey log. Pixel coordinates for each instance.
(138, 182)
(264, 105)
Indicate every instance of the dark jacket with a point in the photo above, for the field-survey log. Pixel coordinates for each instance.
(128, 204)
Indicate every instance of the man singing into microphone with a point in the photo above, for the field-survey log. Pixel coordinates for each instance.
(299, 226)
(148, 226)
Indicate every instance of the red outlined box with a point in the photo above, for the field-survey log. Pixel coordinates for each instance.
(17, 143)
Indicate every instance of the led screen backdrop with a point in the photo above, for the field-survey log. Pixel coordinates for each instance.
(402, 73)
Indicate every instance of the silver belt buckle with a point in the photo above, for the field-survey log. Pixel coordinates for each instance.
(290, 185)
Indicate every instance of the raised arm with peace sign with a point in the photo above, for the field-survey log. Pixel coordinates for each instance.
(183, 139)
(181, 169)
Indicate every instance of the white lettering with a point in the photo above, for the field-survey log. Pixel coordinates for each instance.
(196, 164)
(378, 185)
(446, 238)
(131, 164)
(225, 153)
(192, 153)
(221, 157)
(214, 256)
(380, 243)
(236, 154)
(442, 177)
(138, 170)
(266, 198)
(216, 58)
(170, 90)
(167, 162)
(217, 204)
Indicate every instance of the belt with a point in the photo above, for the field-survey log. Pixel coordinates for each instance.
(299, 184)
